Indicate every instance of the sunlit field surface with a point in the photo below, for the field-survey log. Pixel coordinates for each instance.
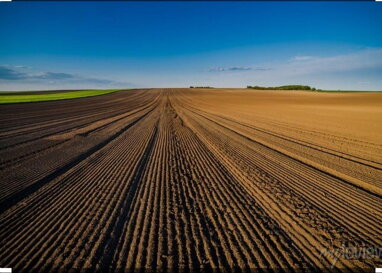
(192, 178)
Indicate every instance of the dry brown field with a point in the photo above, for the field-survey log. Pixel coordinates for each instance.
(192, 178)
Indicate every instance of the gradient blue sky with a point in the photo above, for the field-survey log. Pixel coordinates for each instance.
(58, 45)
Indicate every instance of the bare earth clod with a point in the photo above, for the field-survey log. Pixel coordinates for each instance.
(192, 178)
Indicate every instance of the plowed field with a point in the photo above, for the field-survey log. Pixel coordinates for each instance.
(192, 178)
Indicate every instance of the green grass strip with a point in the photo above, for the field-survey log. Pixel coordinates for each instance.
(21, 98)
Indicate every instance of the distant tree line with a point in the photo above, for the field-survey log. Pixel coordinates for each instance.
(283, 87)
(200, 86)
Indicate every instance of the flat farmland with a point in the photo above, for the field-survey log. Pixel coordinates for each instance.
(192, 178)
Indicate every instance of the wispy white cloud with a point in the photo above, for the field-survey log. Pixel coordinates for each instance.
(22, 66)
(230, 68)
(236, 68)
(16, 66)
(301, 58)
(52, 76)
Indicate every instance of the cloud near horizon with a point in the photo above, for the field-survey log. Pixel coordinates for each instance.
(10, 74)
(356, 70)
(358, 60)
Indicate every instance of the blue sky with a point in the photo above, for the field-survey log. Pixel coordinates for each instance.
(59, 45)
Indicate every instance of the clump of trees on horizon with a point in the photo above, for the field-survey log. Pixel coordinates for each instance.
(200, 86)
(283, 87)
